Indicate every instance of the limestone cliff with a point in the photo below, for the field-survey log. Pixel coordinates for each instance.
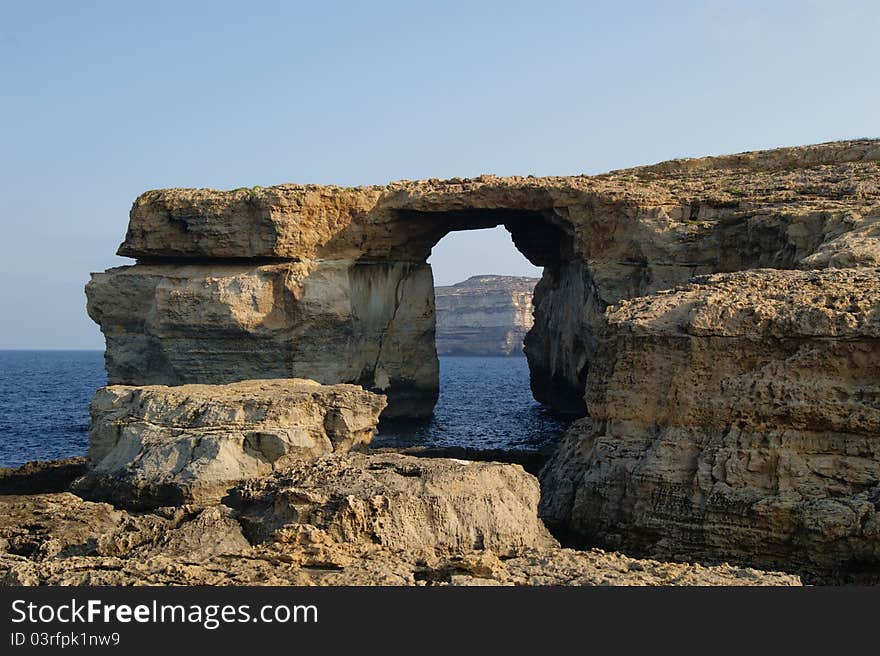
(730, 416)
(735, 418)
(484, 315)
(332, 321)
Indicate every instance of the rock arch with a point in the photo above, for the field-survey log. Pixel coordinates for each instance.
(331, 283)
(546, 240)
(324, 283)
(718, 319)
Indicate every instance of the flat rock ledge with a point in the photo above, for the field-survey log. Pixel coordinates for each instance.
(62, 539)
(157, 446)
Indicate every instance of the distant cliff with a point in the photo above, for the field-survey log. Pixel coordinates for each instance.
(484, 315)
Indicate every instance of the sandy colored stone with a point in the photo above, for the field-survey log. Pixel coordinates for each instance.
(77, 542)
(601, 239)
(400, 502)
(290, 221)
(320, 221)
(856, 247)
(369, 324)
(734, 418)
(157, 445)
(44, 527)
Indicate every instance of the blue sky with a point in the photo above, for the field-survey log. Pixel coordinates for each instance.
(102, 100)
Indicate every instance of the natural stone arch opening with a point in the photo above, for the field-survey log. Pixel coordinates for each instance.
(540, 235)
(331, 285)
(483, 290)
(546, 241)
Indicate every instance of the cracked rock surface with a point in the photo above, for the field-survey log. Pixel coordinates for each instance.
(157, 445)
(62, 539)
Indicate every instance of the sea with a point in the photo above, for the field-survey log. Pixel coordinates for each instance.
(484, 403)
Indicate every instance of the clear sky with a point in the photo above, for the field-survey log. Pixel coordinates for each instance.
(102, 100)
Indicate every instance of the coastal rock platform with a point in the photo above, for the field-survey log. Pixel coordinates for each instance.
(61, 539)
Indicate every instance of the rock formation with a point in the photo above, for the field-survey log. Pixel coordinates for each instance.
(400, 502)
(332, 283)
(157, 446)
(484, 315)
(369, 324)
(41, 476)
(737, 417)
(60, 539)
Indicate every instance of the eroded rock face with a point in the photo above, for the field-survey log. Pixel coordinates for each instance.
(61, 526)
(156, 445)
(399, 502)
(734, 418)
(331, 321)
(601, 239)
(288, 221)
(484, 315)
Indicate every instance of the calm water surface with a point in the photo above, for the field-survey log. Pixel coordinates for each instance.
(44, 403)
(484, 403)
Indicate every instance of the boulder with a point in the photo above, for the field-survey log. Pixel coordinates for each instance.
(158, 445)
(400, 502)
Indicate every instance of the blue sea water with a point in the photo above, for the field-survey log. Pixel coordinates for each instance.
(44, 403)
(484, 403)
